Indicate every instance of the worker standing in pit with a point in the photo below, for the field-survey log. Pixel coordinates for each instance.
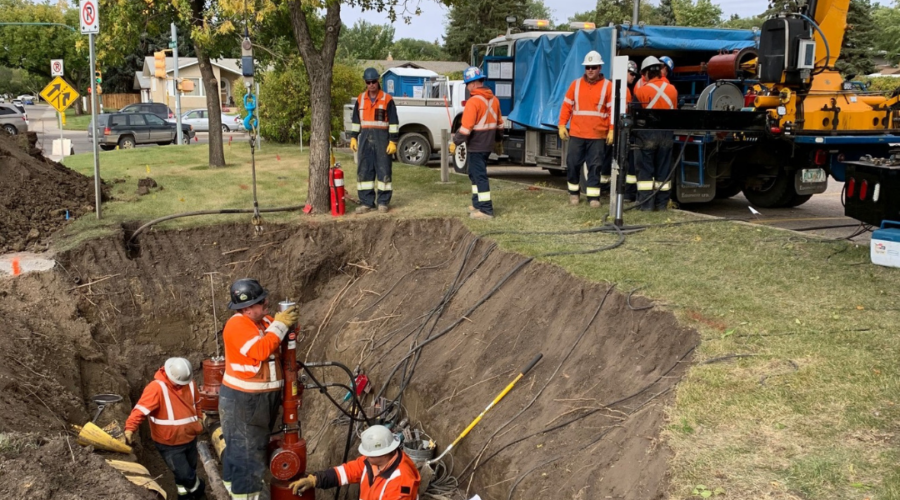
(383, 472)
(250, 396)
(373, 137)
(654, 155)
(481, 130)
(172, 404)
(589, 104)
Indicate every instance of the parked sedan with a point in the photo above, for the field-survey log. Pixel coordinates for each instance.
(126, 130)
(199, 119)
(12, 120)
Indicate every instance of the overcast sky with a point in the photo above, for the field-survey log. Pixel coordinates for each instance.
(430, 25)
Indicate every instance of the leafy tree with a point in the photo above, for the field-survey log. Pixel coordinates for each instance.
(410, 49)
(365, 40)
(16, 82)
(666, 12)
(857, 53)
(744, 23)
(887, 30)
(704, 13)
(477, 21)
(617, 12)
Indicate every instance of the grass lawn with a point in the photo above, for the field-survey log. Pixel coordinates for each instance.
(808, 409)
(76, 122)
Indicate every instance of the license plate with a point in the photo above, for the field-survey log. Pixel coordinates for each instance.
(813, 176)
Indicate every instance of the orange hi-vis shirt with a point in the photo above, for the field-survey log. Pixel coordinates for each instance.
(252, 355)
(398, 480)
(657, 94)
(481, 125)
(590, 106)
(174, 411)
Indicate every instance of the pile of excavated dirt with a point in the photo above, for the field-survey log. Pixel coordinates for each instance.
(35, 194)
(108, 317)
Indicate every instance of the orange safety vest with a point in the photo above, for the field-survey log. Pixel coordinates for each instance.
(174, 411)
(589, 106)
(375, 115)
(657, 94)
(399, 480)
(252, 355)
(480, 121)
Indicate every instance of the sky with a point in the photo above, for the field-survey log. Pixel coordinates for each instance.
(430, 24)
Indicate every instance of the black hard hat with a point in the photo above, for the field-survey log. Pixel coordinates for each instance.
(246, 292)
(370, 74)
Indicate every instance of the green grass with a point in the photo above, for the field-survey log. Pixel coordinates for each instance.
(811, 413)
(76, 122)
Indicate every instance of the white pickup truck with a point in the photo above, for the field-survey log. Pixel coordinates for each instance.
(423, 118)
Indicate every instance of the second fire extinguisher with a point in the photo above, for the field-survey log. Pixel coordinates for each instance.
(336, 185)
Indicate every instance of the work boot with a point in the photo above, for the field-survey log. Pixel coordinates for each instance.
(362, 209)
(471, 208)
(595, 203)
(573, 199)
(382, 209)
(479, 215)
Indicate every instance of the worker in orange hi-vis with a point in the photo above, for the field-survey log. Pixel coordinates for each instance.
(172, 404)
(654, 155)
(588, 105)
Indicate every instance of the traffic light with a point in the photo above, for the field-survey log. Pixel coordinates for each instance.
(98, 76)
(185, 85)
(99, 90)
(159, 62)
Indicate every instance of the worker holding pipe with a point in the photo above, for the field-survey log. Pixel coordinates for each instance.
(172, 404)
(373, 136)
(589, 104)
(251, 391)
(383, 472)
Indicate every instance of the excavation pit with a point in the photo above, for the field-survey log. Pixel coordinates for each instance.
(106, 317)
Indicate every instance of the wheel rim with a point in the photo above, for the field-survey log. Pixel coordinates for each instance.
(186, 139)
(224, 128)
(127, 144)
(10, 129)
(413, 152)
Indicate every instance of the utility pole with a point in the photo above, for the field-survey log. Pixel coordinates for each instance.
(178, 132)
(96, 132)
(637, 9)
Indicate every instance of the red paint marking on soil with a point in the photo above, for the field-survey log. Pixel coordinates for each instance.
(718, 325)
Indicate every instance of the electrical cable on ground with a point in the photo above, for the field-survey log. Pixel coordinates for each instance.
(211, 212)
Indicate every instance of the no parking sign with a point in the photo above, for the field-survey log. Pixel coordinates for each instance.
(90, 17)
(56, 67)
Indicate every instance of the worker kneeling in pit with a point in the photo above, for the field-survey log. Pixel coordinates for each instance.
(172, 403)
(250, 396)
(384, 472)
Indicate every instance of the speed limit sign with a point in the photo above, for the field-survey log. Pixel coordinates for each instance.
(56, 67)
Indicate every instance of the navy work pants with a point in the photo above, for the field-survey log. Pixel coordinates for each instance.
(654, 164)
(182, 460)
(584, 159)
(374, 164)
(247, 420)
(481, 189)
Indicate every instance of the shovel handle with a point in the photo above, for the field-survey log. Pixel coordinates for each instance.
(531, 364)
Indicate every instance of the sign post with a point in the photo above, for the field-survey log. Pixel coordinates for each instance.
(56, 69)
(90, 26)
(179, 137)
(59, 94)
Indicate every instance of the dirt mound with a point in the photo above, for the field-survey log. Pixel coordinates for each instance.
(35, 194)
(60, 470)
(584, 423)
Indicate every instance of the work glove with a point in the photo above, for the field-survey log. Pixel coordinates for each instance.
(498, 148)
(452, 148)
(353, 145)
(563, 133)
(301, 485)
(610, 137)
(392, 148)
(129, 437)
(289, 316)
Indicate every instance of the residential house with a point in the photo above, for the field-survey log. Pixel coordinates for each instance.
(153, 89)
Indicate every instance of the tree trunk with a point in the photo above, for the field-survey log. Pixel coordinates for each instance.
(319, 65)
(213, 108)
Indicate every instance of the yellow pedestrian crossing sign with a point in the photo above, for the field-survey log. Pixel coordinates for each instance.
(60, 94)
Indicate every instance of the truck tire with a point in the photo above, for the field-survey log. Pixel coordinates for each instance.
(126, 142)
(798, 199)
(414, 149)
(460, 160)
(727, 190)
(775, 192)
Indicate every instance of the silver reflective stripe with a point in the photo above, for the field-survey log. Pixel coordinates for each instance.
(603, 101)
(374, 124)
(482, 125)
(384, 186)
(645, 185)
(604, 179)
(342, 474)
(250, 385)
(354, 127)
(572, 187)
(600, 102)
(486, 196)
(365, 185)
(273, 373)
(142, 409)
(631, 179)
(394, 129)
(474, 189)
(660, 94)
(169, 413)
(592, 191)
(196, 485)
(244, 368)
(463, 131)
(395, 475)
(246, 347)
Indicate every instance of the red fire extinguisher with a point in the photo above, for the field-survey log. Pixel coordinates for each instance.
(336, 184)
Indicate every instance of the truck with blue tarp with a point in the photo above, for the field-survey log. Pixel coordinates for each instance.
(760, 111)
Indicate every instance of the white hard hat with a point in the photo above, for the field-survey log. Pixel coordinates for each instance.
(650, 61)
(592, 59)
(377, 441)
(178, 370)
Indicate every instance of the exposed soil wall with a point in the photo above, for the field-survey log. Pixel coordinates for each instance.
(104, 321)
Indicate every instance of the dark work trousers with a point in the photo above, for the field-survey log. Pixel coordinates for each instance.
(481, 189)
(247, 420)
(631, 176)
(606, 168)
(583, 161)
(654, 165)
(374, 163)
(182, 459)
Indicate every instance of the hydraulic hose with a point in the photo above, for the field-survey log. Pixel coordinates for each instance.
(824, 40)
(222, 211)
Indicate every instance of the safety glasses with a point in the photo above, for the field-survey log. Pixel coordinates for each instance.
(371, 82)
(592, 68)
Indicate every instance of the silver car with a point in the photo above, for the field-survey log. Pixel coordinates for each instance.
(199, 119)
(12, 120)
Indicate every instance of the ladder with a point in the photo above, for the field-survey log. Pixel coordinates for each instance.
(699, 143)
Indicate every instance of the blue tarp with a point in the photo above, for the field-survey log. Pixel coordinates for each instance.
(546, 66)
(675, 38)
